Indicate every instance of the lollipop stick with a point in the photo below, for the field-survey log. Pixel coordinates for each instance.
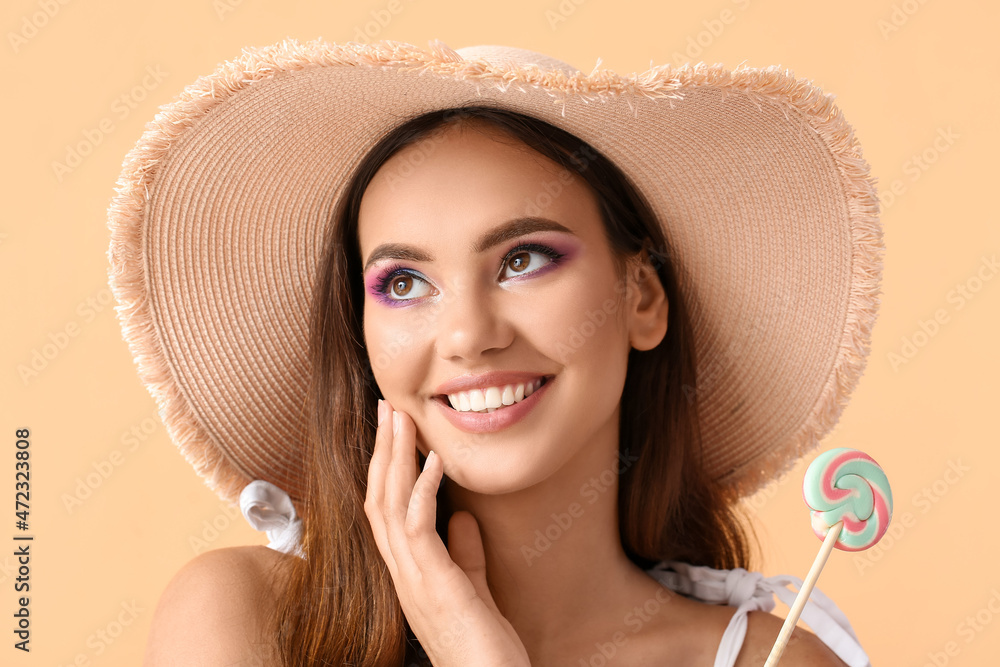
(800, 600)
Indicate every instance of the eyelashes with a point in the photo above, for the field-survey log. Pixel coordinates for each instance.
(384, 282)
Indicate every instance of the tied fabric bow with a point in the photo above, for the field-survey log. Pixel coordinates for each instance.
(751, 591)
(269, 509)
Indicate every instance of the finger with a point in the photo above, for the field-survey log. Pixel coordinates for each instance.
(397, 490)
(400, 478)
(380, 460)
(375, 495)
(465, 543)
(420, 526)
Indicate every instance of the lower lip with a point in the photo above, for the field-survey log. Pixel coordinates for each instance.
(488, 422)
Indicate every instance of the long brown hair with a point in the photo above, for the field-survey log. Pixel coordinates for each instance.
(340, 606)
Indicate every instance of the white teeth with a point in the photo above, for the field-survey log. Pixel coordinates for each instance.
(508, 396)
(492, 398)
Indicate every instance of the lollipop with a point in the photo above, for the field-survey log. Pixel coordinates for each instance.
(851, 507)
(845, 485)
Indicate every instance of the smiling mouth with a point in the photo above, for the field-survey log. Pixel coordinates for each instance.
(443, 399)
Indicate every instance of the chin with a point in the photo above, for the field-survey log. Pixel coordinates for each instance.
(482, 475)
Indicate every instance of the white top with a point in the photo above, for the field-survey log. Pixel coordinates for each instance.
(269, 509)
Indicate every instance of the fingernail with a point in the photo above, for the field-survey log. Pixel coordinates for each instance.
(381, 411)
(395, 422)
(427, 461)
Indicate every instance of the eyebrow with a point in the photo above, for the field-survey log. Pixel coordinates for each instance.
(506, 231)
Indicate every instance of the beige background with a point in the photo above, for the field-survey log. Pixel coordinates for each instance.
(915, 79)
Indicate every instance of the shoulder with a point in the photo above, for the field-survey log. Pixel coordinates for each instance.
(215, 608)
(803, 648)
(691, 631)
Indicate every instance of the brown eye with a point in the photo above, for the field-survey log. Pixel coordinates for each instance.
(398, 285)
(401, 285)
(520, 261)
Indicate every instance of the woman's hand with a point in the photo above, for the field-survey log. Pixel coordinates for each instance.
(444, 596)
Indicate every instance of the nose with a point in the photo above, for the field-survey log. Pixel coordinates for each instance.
(471, 321)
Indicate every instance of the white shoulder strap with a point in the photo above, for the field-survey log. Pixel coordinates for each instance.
(751, 591)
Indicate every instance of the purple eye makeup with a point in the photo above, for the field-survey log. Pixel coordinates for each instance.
(384, 280)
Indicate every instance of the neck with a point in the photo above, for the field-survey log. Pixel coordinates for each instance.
(554, 559)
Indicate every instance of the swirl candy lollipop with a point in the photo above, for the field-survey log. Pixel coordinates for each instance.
(851, 505)
(845, 485)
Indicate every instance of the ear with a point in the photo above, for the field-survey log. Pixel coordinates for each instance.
(648, 306)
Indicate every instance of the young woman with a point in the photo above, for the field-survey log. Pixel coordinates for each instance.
(505, 453)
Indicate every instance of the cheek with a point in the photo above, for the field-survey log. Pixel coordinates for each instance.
(386, 344)
(396, 347)
(584, 315)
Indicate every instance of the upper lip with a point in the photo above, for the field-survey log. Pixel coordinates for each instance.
(491, 379)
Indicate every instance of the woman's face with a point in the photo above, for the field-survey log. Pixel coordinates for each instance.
(457, 301)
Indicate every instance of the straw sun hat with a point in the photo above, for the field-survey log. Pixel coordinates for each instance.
(221, 206)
